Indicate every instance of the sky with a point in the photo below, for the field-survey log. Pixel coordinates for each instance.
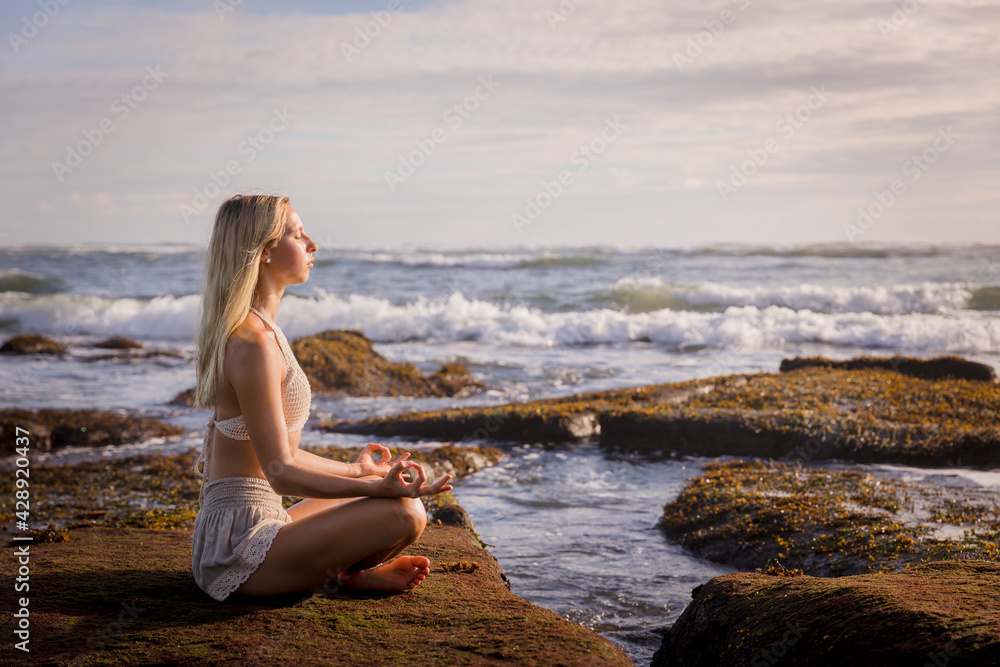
(501, 123)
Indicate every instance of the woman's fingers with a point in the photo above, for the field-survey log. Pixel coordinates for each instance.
(437, 487)
(417, 480)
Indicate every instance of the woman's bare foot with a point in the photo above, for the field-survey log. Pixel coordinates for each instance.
(401, 574)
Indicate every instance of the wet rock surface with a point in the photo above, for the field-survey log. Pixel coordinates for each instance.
(941, 613)
(755, 514)
(344, 361)
(51, 429)
(127, 596)
(32, 344)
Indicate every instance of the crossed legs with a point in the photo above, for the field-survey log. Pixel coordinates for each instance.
(343, 540)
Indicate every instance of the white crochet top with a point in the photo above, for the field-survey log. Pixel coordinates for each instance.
(296, 398)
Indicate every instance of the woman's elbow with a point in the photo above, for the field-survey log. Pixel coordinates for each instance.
(280, 475)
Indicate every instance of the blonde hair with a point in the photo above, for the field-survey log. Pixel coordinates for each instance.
(245, 227)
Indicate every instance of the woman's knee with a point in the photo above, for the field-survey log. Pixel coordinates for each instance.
(413, 515)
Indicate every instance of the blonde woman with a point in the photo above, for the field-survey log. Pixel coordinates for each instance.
(357, 516)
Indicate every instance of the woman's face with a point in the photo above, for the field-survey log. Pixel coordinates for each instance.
(291, 258)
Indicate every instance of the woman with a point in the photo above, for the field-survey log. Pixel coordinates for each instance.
(356, 516)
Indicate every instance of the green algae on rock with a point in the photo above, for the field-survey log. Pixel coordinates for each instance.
(156, 491)
(51, 429)
(344, 361)
(750, 513)
(125, 596)
(119, 343)
(866, 414)
(544, 420)
(937, 368)
(941, 613)
(32, 344)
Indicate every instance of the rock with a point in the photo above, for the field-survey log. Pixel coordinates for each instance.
(938, 368)
(119, 343)
(546, 420)
(863, 415)
(505, 423)
(127, 596)
(344, 361)
(119, 493)
(51, 429)
(942, 613)
(32, 344)
(748, 514)
(185, 398)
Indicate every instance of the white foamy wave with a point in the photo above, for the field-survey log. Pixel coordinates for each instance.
(443, 259)
(649, 294)
(473, 259)
(457, 318)
(166, 317)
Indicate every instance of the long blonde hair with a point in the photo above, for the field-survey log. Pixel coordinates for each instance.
(245, 227)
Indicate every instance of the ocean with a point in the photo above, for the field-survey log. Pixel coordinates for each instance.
(574, 528)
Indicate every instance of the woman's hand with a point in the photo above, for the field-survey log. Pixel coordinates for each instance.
(366, 465)
(396, 486)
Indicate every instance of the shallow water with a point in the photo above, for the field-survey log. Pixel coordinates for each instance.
(576, 532)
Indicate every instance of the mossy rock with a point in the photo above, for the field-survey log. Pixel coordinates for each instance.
(344, 361)
(942, 613)
(938, 368)
(51, 429)
(123, 596)
(750, 514)
(32, 344)
(118, 493)
(184, 398)
(119, 343)
(863, 415)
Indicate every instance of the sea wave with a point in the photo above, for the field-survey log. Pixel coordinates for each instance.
(458, 318)
(472, 259)
(639, 295)
(15, 280)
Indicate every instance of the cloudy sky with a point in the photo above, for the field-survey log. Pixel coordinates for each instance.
(505, 122)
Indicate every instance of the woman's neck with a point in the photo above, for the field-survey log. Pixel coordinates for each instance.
(267, 304)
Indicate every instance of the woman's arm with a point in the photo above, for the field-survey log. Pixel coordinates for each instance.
(324, 464)
(254, 368)
(361, 466)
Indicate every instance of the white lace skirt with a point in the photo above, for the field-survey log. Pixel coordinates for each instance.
(233, 531)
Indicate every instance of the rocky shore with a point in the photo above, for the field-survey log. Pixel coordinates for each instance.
(918, 412)
(51, 429)
(157, 491)
(127, 596)
(755, 514)
(941, 613)
(113, 575)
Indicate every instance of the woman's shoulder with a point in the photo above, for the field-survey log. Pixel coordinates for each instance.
(252, 345)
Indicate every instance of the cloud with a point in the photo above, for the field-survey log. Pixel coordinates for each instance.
(693, 113)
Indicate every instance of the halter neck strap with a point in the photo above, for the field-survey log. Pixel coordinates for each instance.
(268, 322)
